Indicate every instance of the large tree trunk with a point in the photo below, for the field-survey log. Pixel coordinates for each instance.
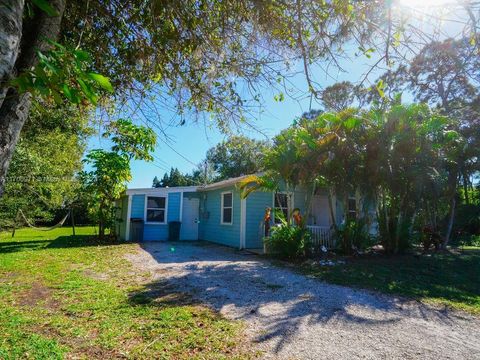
(13, 113)
(18, 45)
(11, 13)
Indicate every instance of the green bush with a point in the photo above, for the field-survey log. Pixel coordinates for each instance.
(467, 240)
(353, 235)
(288, 241)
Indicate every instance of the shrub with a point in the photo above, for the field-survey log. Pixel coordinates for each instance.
(288, 241)
(353, 235)
(467, 219)
(468, 240)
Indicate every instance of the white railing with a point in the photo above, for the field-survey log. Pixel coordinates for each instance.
(322, 236)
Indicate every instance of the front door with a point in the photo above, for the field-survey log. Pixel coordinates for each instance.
(190, 212)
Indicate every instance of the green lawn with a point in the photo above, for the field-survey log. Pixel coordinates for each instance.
(64, 296)
(447, 279)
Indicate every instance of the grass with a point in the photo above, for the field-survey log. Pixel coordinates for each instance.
(72, 297)
(447, 279)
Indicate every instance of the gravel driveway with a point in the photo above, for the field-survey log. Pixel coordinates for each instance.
(291, 316)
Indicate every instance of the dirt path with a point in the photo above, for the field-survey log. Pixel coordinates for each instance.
(290, 316)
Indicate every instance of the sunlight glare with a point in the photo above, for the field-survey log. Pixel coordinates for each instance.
(414, 4)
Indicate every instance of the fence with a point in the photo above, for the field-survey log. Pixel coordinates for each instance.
(322, 236)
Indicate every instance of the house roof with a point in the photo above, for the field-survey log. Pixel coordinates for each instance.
(162, 190)
(223, 183)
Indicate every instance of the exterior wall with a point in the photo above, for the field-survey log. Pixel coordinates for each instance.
(174, 202)
(257, 202)
(157, 232)
(138, 206)
(210, 228)
(299, 197)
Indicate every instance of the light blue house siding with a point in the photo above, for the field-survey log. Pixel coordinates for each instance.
(256, 203)
(138, 206)
(174, 202)
(246, 231)
(156, 232)
(210, 227)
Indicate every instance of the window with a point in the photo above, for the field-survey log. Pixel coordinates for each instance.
(156, 206)
(280, 205)
(352, 208)
(227, 208)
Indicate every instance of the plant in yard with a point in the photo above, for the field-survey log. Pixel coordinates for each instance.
(289, 241)
(352, 236)
(111, 169)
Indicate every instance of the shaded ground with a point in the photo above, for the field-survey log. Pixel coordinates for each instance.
(74, 297)
(445, 278)
(290, 315)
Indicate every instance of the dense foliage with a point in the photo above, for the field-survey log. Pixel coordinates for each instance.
(41, 180)
(237, 156)
(403, 160)
(233, 157)
(176, 178)
(288, 241)
(107, 180)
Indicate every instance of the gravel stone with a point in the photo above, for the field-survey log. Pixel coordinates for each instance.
(291, 316)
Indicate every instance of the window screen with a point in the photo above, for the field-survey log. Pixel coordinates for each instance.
(227, 208)
(156, 209)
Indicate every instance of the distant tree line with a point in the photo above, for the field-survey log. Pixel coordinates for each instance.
(233, 157)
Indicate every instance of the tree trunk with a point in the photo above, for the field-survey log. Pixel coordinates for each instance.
(12, 117)
(308, 203)
(11, 13)
(450, 222)
(330, 207)
(453, 179)
(101, 222)
(465, 189)
(73, 220)
(18, 45)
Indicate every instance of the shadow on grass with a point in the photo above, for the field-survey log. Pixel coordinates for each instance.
(59, 242)
(161, 293)
(446, 277)
(248, 287)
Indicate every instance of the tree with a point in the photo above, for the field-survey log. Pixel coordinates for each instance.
(198, 56)
(446, 74)
(111, 169)
(442, 74)
(400, 159)
(20, 43)
(156, 183)
(339, 96)
(175, 178)
(42, 178)
(236, 156)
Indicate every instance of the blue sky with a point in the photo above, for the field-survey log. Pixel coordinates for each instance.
(193, 140)
(190, 142)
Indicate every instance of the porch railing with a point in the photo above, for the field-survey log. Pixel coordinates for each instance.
(322, 236)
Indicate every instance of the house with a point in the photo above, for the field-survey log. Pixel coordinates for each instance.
(217, 213)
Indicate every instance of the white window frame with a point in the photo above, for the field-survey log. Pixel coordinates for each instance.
(147, 208)
(222, 207)
(290, 203)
